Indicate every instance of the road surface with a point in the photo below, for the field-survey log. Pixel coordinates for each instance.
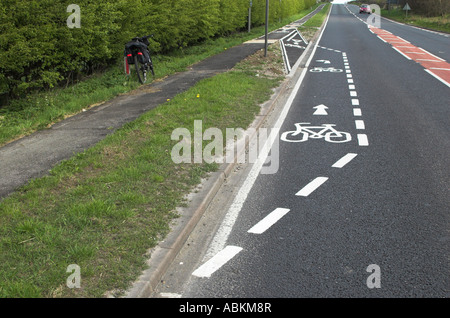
(359, 206)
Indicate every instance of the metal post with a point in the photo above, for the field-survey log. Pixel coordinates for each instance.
(249, 16)
(267, 28)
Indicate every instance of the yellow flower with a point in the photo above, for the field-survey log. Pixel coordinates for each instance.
(198, 95)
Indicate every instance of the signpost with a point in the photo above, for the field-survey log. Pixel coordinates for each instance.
(250, 16)
(406, 8)
(267, 28)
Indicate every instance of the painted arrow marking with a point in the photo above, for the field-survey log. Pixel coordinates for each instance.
(320, 110)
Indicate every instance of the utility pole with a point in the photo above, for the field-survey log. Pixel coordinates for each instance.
(267, 28)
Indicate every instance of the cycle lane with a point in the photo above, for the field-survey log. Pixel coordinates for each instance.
(340, 209)
(277, 235)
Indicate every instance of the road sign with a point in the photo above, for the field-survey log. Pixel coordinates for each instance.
(406, 8)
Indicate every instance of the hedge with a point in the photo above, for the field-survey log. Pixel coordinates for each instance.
(39, 50)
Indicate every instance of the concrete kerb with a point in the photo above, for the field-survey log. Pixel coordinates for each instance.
(163, 255)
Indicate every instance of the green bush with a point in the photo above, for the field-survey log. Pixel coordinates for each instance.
(38, 49)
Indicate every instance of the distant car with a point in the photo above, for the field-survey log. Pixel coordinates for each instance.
(364, 8)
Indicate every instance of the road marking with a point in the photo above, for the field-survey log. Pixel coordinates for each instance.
(357, 112)
(405, 56)
(227, 224)
(437, 77)
(350, 81)
(351, 87)
(170, 295)
(320, 110)
(311, 187)
(360, 124)
(362, 140)
(355, 102)
(344, 160)
(353, 93)
(217, 261)
(268, 221)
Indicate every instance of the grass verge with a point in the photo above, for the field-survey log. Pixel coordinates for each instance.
(38, 111)
(105, 208)
(433, 23)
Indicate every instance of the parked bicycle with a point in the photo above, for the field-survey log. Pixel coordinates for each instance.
(137, 53)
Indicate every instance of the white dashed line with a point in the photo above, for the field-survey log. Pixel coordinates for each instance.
(268, 221)
(355, 102)
(362, 140)
(357, 112)
(360, 124)
(344, 160)
(312, 186)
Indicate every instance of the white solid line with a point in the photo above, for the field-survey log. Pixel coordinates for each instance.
(360, 124)
(312, 186)
(437, 77)
(439, 68)
(355, 102)
(357, 112)
(403, 39)
(344, 160)
(405, 56)
(170, 295)
(362, 140)
(216, 262)
(268, 221)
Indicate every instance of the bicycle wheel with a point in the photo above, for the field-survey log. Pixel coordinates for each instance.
(140, 70)
(291, 136)
(338, 137)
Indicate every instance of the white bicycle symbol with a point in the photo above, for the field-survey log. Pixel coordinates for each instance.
(326, 131)
(325, 69)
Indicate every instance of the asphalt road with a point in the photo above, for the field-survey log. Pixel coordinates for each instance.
(359, 206)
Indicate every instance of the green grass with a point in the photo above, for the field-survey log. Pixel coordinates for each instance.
(434, 23)
(105, 208)
(37, 111)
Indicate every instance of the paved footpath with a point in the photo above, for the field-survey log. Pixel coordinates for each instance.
(33, 156)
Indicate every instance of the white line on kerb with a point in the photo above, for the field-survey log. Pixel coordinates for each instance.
(217, 261)
(344, 160)
(268, 221)
(312, 186)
